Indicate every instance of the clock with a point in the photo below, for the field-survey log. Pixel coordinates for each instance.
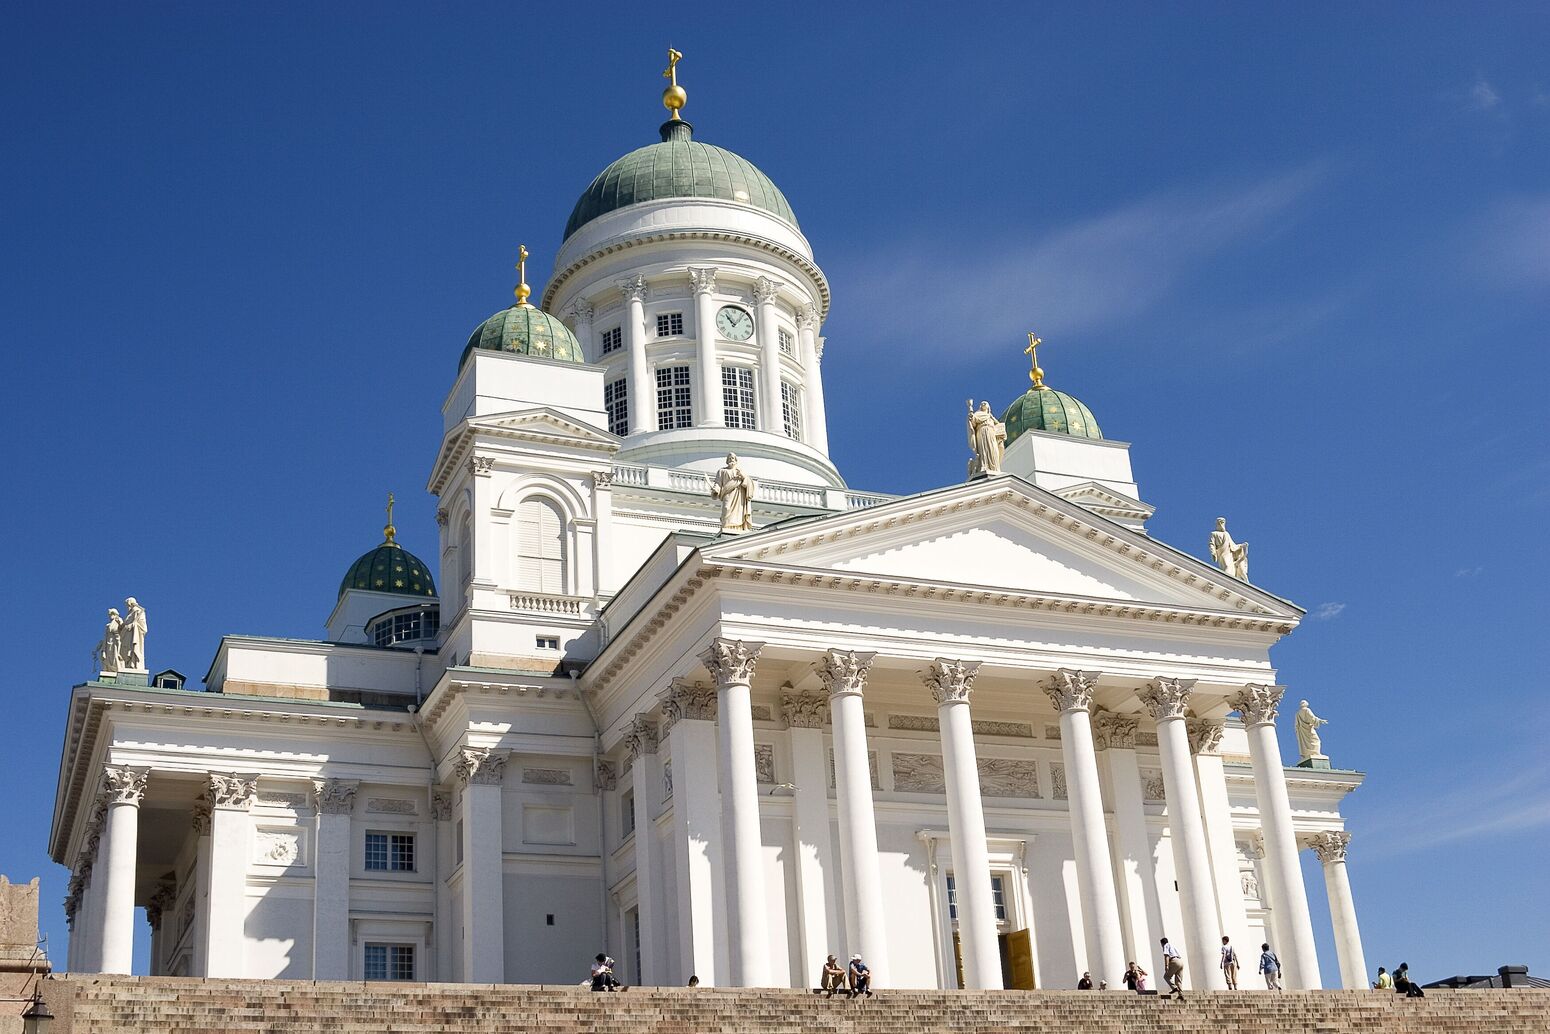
(735, 324)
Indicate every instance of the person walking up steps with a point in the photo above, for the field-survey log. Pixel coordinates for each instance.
(1271, 967)
(1229, 965)
(1173, 970)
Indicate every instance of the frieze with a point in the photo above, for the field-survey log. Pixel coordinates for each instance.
(764, 763)
(761, 712)
(391, 806)
(1006, 777)
(871, 762)
(1052, 732)
(1146, 739)
(929, 723)
(1152, 786)
(441, 806)
(285, 801)
(918, 773)
(1057, 781)
(280, 847)
(547, 776)
(604, 775)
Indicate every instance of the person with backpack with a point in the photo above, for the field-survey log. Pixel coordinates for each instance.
(1270, 965)
(1229, 965)
(1173, 970)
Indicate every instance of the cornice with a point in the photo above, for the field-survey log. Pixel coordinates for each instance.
(526, 428)
(442, 698)
(612, 247)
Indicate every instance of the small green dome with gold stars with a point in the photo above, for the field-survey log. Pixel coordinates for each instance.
(389, 568)
(1045, 409)
(524, 329)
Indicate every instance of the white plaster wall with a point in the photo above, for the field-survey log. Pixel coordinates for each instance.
(1057, 460)
(904, 872)
(537, 953)
(503, 382)
(278, 931)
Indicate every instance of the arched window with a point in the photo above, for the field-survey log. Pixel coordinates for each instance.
(465, 551)
(540, 546)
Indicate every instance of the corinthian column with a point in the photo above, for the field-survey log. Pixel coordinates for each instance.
(482, 772)
(844, 676)
(815, 423)
(1288, 896)
(230, 796)
(1331, 848)
(712, 410)
(334, 800)
(123, 789)
(641, 745)
(731, 664)
(1166, 700)
(1071, 692)
(642, 393)
(764, 292)
(950, 683)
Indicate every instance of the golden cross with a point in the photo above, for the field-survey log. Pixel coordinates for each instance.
(673, 57)
(390, 507)
(389, 532)
(1035, 375)
(522, 290)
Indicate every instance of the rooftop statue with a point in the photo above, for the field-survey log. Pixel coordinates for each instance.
(131, 646)
(107, 649)
(735, 489)
(1232, 557)
(987, 437)
(1308, 742)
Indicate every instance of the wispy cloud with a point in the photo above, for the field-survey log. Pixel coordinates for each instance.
(1510, 244)
(1099, 271)
(1327, 611)
(1468, 572)
(1482, 96)
(1510, 798)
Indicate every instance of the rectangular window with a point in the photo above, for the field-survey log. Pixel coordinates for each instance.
(737, 396)
(788, 343)
(997, 894)
(389, 962)
(548, 642)
(627, 812)
(670, 324)
(791, 409)
(613, 340)
(635, 937)
(390, 852)
(616, 403)
(675, 399)
(952, 897)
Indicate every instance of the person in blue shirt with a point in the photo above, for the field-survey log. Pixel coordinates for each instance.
(860, 977)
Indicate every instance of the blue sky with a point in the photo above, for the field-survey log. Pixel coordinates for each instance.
(1298, 254)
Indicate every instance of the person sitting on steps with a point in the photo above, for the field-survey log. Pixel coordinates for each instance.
(860, 978)
(603, 974)
(833, 977)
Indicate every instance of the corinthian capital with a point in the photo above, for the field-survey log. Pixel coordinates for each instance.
(704, 280)
(1330, 845)
(123, 785)
(480, 765)
(804, 710)
(642, 737)
(334, 796)
(731, 661)
(1111, 729)
(1166, 698)
(230, 790)
(845, 671)
(634, 288)
(582, 310)
(807, 317)
(764, 290)
(1205, 736)
(950, 681)
(1258, 703)
(1071, 690)
(688, 701)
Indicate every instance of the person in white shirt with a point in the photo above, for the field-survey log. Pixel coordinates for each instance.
(1173, 970)
(1229, 965)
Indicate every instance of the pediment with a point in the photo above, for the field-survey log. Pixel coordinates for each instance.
(1008, 536)
(1103, 500)
(541, 425)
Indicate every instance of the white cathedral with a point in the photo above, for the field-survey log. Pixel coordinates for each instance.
(990, 735)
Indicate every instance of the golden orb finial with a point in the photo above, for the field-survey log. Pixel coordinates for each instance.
(674, 96)
(390, 533)
(522, 290)
(1036, 375)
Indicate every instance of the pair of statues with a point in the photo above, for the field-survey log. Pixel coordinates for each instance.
(123, 640)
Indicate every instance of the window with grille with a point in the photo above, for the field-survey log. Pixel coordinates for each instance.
(465, 551)
(616, 403)
(670, 324)
(613, 340)
(675, 399)
(547, 642)
(389, 961)
(788, 343)
(791, 409)
(540, 546)
(635, 937)
(997, 894)
(627, 813)
(415, 626)
(737, 396)
(390, 852)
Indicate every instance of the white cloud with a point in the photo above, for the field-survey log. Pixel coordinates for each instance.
(1482, 96)
(1512, 797)
(1327, 611)
(1511, 244)
(1097, 271)
(1468, 572)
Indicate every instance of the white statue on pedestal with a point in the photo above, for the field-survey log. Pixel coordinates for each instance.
(1308, 743)
(107, 649)
(131, 649)
(987, 437)
(735, 490)
(1232, 557)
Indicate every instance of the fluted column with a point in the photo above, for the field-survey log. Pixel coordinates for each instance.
(640, 744)
(125, 788)
(805, 715)
(712, 410)
(642, 403)
(1071, 692)
(230, 796)
(731, 664)
(481, 772)
(1115, 736)
(1330, 846)
(950, 683)
(1288, 896)
(844, 675)
(815, 419)
(334, 800)
(764, 292)
(1166, 700)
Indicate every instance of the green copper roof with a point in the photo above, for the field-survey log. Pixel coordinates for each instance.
(678, 167)
(389, 568)
(1049, 410)
(526, 331)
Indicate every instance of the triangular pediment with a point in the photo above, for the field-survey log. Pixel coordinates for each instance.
(540, 425)
(1101, 499)
(1005, 535)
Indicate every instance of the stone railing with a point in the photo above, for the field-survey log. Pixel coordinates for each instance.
(547, 603)
(778, 493)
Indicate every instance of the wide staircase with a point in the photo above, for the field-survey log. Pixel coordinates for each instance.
(170, 1005)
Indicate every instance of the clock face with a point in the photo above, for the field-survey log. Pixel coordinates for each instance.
(734, 323)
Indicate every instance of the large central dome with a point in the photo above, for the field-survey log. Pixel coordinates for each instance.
(678, 167)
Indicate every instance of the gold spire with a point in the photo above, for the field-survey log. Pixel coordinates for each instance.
(390, 533)
(1035, 375)
(522, 290)
(674, 96)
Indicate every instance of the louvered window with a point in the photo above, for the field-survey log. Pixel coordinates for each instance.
(540, 547)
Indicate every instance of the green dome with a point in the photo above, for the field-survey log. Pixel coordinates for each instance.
(678, 167)
(527, 331)
(1045, 409)
(389, 568)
